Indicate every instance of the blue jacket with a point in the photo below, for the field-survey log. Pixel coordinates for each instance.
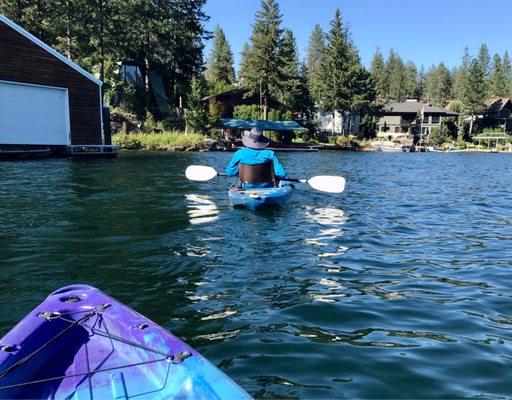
(249, 156)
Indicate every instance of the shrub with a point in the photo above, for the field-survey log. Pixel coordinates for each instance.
(158, 141)
(243, 111)
(440, 135)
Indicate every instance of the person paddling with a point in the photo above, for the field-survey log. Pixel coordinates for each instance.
(255, 166)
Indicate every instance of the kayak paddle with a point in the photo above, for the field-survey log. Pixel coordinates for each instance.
(323, 183)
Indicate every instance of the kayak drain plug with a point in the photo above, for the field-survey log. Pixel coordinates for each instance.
(178, 358)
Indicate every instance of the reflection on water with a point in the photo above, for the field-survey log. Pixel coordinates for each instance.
(400, 287)
(201, 209)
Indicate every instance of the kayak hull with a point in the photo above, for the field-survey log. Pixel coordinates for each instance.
(256, 199)
(81, 343)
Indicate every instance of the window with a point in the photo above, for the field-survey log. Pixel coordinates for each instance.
(397, 129)
(436, 119)
(425, 119)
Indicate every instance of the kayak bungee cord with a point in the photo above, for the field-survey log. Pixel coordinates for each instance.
(87, 373)
(49, 316)
(170, 358)
(106, 333)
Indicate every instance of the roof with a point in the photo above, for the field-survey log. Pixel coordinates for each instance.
(230, 123)
(229, 93)
(492, 135)
(49, 49)
(496, 104)
(415, 107)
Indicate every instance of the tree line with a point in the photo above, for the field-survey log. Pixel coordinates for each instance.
(162, 36)
(477, 77)
(167, 36)
(331, 78)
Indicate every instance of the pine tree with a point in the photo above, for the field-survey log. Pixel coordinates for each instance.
(422, 76)
(289, 90)
(378, 71)
(475, 91)
(438, 84)
(339, 60)
(507, 70)
(395, 72)
(484, 61)
(460, 75)
(498, 78)
(262, 70)
(315, 58)
(245, 68)
(196, 116)
(363, 96)
(411, 84)
(304, 101)
(220, 62)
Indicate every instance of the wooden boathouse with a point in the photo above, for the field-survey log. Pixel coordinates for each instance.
(47, 102)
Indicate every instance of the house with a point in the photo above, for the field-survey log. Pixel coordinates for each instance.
(338, 124)
(226, 102)
(499, 113)
(133, 73)
(46, 100)
(398, 118)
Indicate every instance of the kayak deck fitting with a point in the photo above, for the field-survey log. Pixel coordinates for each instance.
(82, 344)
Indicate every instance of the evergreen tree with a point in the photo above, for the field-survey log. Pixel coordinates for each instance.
(244, 68)
(411, 81)
(507, 70)
(196, 116)
(395, 72)
(263, 67)
(363, 96)
(438, 85)
(304, 101)
(484, 59)
(484, 62)
(180, 55)
(498, 78)
(378, 71)
(475, 91)
(315, 58)
(289, 90)
(220, 63)
(339, 60)
(460, 75)
(422, 76)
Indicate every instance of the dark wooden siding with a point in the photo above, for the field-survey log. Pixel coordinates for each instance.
(21, 60)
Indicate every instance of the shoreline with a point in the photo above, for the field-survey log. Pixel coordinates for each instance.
(302, 150)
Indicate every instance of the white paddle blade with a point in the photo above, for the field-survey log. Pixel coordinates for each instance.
(200, 173)
(328, 183)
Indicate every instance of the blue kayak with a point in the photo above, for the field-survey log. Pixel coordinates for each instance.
(80, 343)
(256, 199)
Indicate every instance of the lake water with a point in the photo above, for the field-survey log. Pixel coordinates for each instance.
(400, 287)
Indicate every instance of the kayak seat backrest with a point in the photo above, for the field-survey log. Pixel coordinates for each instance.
(257, 173)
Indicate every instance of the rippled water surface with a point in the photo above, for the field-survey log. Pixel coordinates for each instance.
(401, 287)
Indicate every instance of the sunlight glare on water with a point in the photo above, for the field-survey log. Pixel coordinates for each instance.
(397, 288)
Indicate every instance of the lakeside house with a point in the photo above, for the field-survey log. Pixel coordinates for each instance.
(499, 113)
(47, 102)
(225, 102)
(338, 123)
(398, 118)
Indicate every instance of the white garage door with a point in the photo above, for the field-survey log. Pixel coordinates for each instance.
(31, 114)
